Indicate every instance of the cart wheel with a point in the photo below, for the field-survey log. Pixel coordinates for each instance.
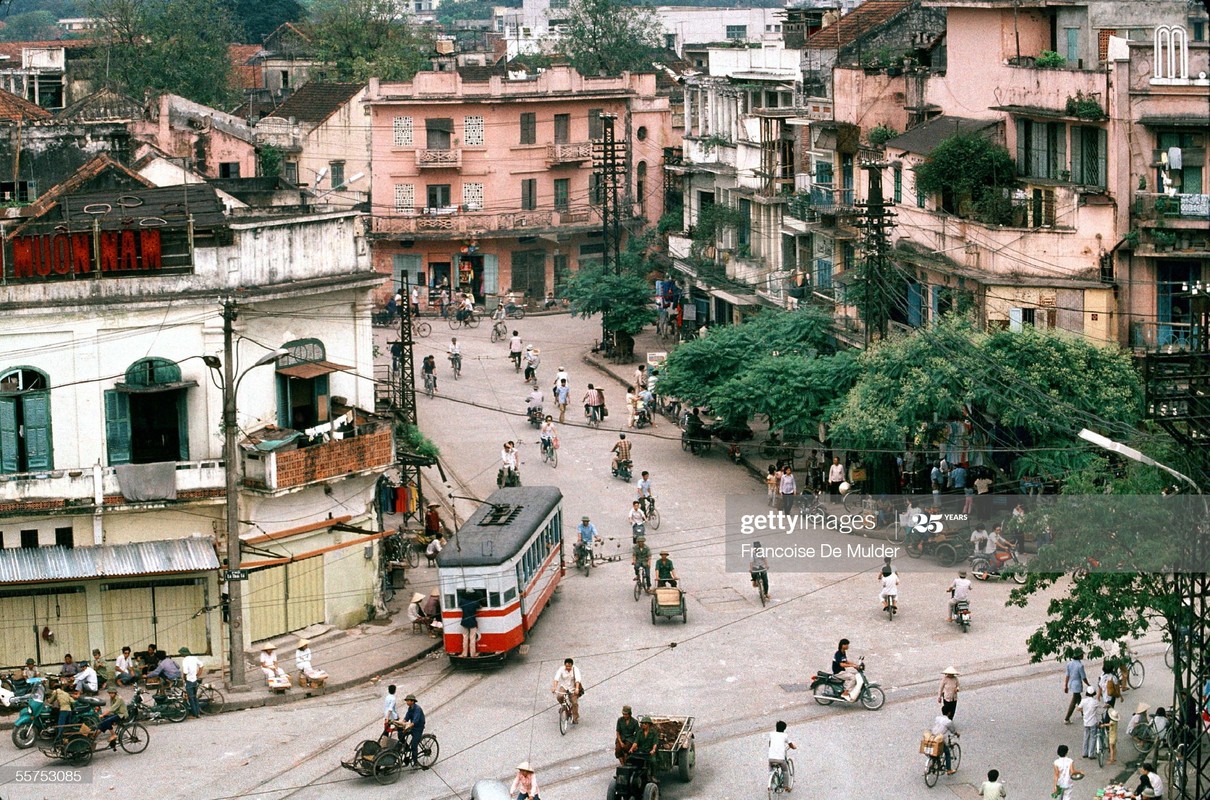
(78, 752)
(133, 737)
(684, 766)
(653, 615)
(386, 767)
(947, 555)
(684, 611)
(913, 552)
(651, 791)
(895, 534)
(427, 751)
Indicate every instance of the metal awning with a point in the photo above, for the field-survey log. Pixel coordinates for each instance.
(735, 299)
(1174, 121)
(171, 556)
(311, 369)
(135, 388)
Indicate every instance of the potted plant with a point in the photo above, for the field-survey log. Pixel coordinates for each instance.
(1163, 239)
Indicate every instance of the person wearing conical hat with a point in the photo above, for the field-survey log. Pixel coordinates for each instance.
(947, 694)
(307, 674)
(416, 610)
(275, 676)
(525, 785)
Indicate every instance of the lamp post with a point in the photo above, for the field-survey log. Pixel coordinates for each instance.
(231, 467)
(1134, 455)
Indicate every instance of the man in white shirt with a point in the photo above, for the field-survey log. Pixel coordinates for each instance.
(1150, 783)
(389, 714)
(835, 478)
(944, 726)
(416, 300)
(1065, 773)
(567, 683)
(635, 517)
(510, 474)
(779, 753)
(123, 668)
(1090, 707)
(515, 348)
(86, 680)
(191, 668)
(960, 589)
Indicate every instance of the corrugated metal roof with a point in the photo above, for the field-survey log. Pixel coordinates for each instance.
(923, 138)
(40, 564)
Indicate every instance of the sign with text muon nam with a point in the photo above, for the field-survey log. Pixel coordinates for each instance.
(92, 253)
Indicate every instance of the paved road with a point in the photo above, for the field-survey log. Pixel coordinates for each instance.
(735, 667)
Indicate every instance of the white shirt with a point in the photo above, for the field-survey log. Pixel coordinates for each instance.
(836, 473)
(562, 375)
(645, 488)
(433, 549)
(86, 680)
(1091, 708)
(1063, 765)
(509, 457)
(124, 664)
(991, 790)
(547, 431)
(890, 585)
(567, 679)
(962, 588)
(534, 399)
(268, 659)
(779, 746)
(636, 516)
(455, 349)
(515, 345)
(942, 725)
(979, 541)
(1157, 783)
(388, 708)
(190, 667)
(302, 659)
(415, 294)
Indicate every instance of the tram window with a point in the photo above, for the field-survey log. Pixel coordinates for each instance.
(510, 594)
(466, 595)
(493, 599)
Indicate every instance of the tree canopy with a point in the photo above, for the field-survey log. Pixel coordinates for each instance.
(608, 36)
(30, 26)
(361, 39)
(971, 173)
(177, 46)
(259, 18)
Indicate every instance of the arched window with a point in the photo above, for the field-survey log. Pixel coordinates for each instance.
(25, 440)
(147, 414)
(640, 186)
(302, 384)
(1171, 55)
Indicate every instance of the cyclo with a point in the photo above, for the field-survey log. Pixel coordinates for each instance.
(79, 742)
(384, 757)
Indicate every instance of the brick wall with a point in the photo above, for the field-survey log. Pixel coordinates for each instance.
(338, 457)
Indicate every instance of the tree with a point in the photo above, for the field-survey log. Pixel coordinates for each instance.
(606, 37)
(177, 46)
(259, 18)
(972, 174)
(623, 301)
(363, 39)
(30, 26)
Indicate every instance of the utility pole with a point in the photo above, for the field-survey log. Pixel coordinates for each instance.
(235, 588)
(876, 267)
(405, 410)
(608, 158)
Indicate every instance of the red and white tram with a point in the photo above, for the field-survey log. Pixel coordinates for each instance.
(503, 565)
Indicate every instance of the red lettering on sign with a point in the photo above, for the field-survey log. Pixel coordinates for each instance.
(42, 248)
(61, 250)
(150, 240)
(129, 255)
(81, 253)
(23, 257)
(109, 251)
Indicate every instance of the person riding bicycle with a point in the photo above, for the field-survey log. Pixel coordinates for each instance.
(429, 368)
(890, 589)
(547, 434)
(944, 726)
(779, 756)
(640, 559)
(413, 726)
(510, 473)
(466, 308)
(567, 684)
(758, 568)
(515, 349)
(116, 714)
(455, 353)
(594, 402)
(532, 361)
(533, 405)
(636, 518)
(645, 495)
(665, 572)
(621, 452)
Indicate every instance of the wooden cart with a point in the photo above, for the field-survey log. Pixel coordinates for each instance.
(676, 753)
(669, 602)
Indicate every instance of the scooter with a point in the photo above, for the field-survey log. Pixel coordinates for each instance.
(827, 688)
(15, 693)
(38, 720)
(534, 415)
(984, 567)
(622, 470)
(962, 614)
(160, 707)
(642, 417)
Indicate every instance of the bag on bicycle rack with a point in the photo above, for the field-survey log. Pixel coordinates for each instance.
(931, 745)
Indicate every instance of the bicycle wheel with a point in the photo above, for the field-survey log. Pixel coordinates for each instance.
(423, 329)
(496, 334)
(427, 751)
(764, 598)
(554, 458)
(932, 771)
(638, 589)
(1136, 674)
(653, 519)
(895, 534)
(853, 501)
(411, 554)
(473, 321)
(210, 700)
(1142, 737)
(453, 321)
(388, 589)
(955, 756)
(775, 783)
(133, 737)
(517, 313)
(1168, 659)
(564, 719)
(1102, 746)
(78, 752)
(175, 711)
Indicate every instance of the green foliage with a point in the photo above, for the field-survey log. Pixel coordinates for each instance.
(409, 439)
(1049, 59)
(671, 222)
(259, 18)
(712, 220)
(711, 142)
(621, 300)
(1131, 239)
(1161, 237)
(1084, 106)
(361, 39)
(450, 12)
(270, 159)
(177, 46)
(967, 167)
(607, 37)
(30, 26)
(881, 134)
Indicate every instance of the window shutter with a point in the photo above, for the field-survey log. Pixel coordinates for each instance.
(322, 409)
(1102, 177)
(8, 435)
(1060, 149)
(283, 402)
(1077, 156)
(117, 427)
(182, 423)
(491, 274)
(1022, 133)
(36, 408)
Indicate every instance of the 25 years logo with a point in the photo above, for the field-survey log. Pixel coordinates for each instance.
(926, 523)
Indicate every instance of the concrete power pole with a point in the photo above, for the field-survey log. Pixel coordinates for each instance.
(876, 271)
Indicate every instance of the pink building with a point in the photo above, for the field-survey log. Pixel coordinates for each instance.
(486, 180)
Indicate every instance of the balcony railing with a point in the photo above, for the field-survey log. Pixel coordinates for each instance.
(1151, 206)
(76, 487)
(480, 222)
(572, 153)
(372, 448)
(826, 200)
(1163, 337)
(439, 159)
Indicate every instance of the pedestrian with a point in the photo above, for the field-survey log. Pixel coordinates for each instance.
(515, 348)
(525, 784)
(640, 377)
(562, 395)
(443, 300)
(396, 354)
(191, 668)
(1090, 708)
(835, 478)
(1075, 681)
(947, 694)
(1107, 685)
(771, 484)
(632, 406)
(432, 522)
(1111, 730)
(390, 715)
(788, 487)
(1065, 775)
(415, 301)
(937, 480)
(992, 789)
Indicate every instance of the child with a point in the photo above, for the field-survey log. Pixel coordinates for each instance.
(992, 788)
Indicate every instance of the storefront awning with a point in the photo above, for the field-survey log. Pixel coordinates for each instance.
(45, 564)
(736, 299)
(135, 388)
(311, 369)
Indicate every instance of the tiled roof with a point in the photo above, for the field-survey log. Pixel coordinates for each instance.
(923, 138)
(13, 49)
(314, 102)
(858, 22)
(13, 108)
(247, 71)
(102, 105)
(87, 172)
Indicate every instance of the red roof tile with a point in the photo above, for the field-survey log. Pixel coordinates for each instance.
(248, 72)
(13, 108)
(858, 22)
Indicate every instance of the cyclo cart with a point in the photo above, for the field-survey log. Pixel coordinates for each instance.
(676, 752)
(668, 601)
(383, 758)
(79, 742)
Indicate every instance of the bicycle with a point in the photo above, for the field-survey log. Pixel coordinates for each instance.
(1135, 674)
(499, 331)
(564, 712)
(776, 447)
(653, 516)
(550, 453)
(642, 582)
(594, 416)
(781, 780)
(430, 384)
(1102, 745)
(470, 319)
(421, 329)
(456, 364)
(936, 766)
(1144, 738)
(759, 579)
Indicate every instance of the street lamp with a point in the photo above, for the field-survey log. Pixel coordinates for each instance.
(1134, 455)
(356, 176)
(229, 382)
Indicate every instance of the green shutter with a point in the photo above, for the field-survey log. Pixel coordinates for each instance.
(36, 416)
(283, 402)
(182, 423)
(9, 443)
(1060, 154)
(1022, 142)
(117, 427)
(1078, 175)
(1102, 157)
(491, 274)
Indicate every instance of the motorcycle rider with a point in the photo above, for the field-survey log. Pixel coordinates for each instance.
(959, 590)
(637, 519)
(621, 452)
(999, 548)
(532, 360)
(587, 532)
(695, 431)
(842, 666)
(533, 405)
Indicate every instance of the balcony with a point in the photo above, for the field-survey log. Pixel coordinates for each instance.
(1163, 337)
(80, 487)
(829, 201)
(454, 221)
(439, 159)
(372, 448)
(1181, 210)
(573, 153)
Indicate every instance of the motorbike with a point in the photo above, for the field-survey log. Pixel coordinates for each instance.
(15, 693)
(159, 707)
(534, 415)
(622, 470)
(983, 567)
(38, 720)
(642, 417)
(636, 530)
(962, 614)
(827, 688)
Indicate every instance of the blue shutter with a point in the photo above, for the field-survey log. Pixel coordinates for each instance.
(182, 423)
(36, 417)
(9, 443)
(283, 402)
(117, 427)
(491, 274)
(322, 408)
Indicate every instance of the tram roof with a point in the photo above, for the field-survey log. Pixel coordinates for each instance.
(501, 526)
